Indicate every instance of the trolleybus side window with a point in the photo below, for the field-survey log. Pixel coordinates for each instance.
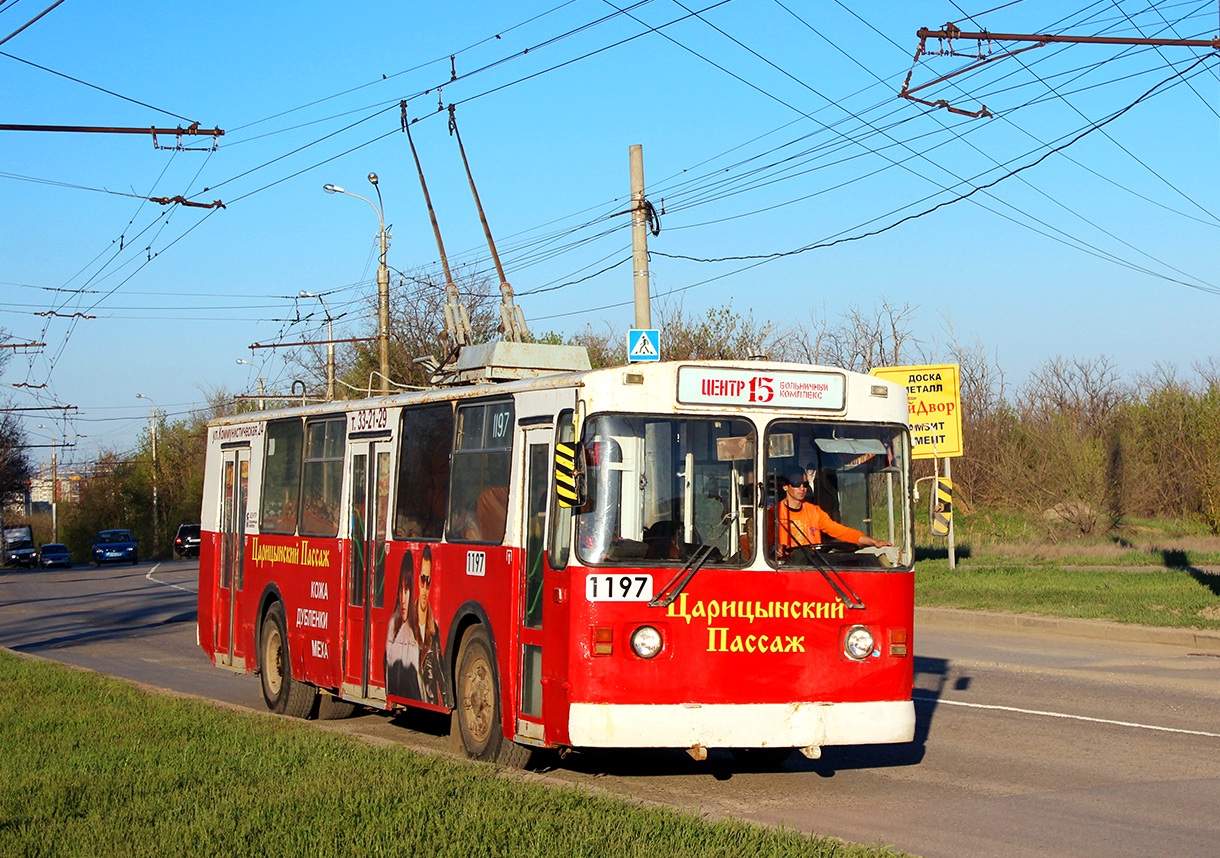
(322, 476)
(423, 472)
(281, 477)
(482, 460)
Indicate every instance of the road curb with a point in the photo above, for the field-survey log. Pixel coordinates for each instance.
(1197, 640)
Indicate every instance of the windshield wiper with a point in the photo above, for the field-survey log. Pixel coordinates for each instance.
(678, 583)
(842, 589)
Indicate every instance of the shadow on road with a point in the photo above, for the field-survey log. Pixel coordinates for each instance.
(108, 615)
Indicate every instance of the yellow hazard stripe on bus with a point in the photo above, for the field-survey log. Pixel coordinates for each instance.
(565, 480)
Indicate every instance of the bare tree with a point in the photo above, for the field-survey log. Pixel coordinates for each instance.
(721, 334)
(1072, 469)
(860, 340)
(416, 330)
(15, 466)
(986, 420)
(604, 349)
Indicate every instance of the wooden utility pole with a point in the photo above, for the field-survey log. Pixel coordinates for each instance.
(639, 240)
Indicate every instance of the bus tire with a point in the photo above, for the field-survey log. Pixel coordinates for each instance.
(331, 708)
(477, 719)
(283, 694)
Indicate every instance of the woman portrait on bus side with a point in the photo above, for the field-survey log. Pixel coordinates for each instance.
(402, 644)
(428, 633)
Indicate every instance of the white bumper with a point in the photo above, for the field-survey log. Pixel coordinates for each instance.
(744, 725)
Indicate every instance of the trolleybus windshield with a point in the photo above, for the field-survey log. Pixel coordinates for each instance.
(857, 474)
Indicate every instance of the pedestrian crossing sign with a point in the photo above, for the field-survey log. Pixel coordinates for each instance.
(644, 344)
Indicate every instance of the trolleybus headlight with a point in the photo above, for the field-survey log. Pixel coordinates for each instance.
(646, 642)
(858, 643)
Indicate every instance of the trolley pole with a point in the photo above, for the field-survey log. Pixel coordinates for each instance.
(639, 240)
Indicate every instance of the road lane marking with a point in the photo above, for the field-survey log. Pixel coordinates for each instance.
(149, 577)
(938, 702)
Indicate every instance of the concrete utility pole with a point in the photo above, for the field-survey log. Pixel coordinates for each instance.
(639, 240)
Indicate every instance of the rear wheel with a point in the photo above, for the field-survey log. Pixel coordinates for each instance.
(283, 694)
(477, 719)
(333, 709)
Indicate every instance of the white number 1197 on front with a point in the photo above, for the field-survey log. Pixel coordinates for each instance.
(618, 588)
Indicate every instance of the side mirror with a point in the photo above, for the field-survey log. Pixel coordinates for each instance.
(571, 481)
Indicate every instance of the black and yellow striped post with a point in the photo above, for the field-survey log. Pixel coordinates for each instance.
(565, 477)
(942, 511)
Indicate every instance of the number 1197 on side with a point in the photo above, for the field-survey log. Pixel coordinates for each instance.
(618, 588)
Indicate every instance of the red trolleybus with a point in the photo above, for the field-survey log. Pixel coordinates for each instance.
(588, 559)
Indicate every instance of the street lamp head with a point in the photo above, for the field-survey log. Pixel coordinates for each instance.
(373, 179)
(333, 189)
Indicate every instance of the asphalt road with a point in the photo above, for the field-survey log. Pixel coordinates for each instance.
(1033, 738)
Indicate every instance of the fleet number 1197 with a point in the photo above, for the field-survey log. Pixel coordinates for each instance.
(618, 588)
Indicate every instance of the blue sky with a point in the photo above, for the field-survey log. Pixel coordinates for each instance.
(769, 128)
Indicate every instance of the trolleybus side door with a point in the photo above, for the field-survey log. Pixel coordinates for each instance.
(369, 464)
(234, 487)
(538, 461)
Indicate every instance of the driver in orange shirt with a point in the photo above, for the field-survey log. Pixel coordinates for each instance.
(802, 522)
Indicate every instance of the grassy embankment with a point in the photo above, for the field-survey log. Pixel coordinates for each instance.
(1145, 572)
(92, 766)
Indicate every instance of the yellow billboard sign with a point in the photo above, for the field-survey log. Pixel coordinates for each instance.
(935, 402)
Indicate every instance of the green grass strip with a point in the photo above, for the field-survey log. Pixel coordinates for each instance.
(94, 766)
(1178, 598)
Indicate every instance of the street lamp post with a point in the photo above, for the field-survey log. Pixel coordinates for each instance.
(383, 278)
(262, 403)
(54, 489)
(330, 347)
(153, 425)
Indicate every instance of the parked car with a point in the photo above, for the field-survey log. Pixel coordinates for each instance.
(186, 543)
(54, 554)
(115, 546)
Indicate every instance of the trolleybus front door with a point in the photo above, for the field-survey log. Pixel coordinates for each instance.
(538, 460)
(363, 671)
(235, 477)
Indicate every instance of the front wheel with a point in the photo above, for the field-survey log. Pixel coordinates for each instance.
(477, 719)
(283, 694)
